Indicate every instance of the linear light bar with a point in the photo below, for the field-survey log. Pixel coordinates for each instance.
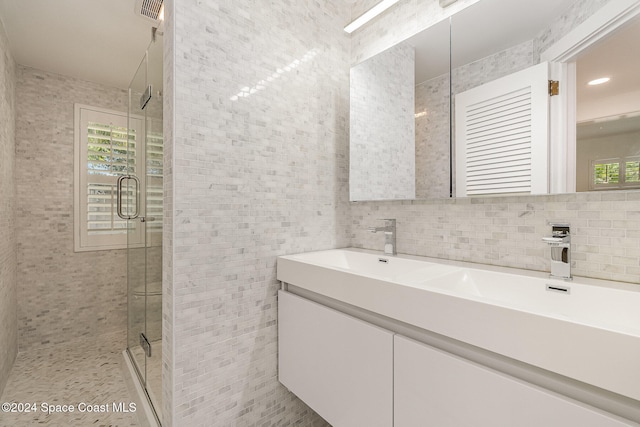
(369, 15)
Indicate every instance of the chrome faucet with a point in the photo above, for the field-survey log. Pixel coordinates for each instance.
(389, 230)
(560, 242)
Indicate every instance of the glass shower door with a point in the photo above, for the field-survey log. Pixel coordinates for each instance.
(144, 260)
(153, 201)
(136, 269)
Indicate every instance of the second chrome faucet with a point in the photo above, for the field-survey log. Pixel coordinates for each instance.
(389, 230)
(560, 242)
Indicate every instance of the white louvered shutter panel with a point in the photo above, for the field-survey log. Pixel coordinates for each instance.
(502, 135)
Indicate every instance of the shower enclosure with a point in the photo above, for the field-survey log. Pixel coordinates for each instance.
(140, 200)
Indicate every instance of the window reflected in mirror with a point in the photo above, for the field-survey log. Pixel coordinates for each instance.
(608, 112)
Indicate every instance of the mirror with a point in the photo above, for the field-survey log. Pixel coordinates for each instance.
(608, 113)
(382, 150)
(500, 98)
(399, 120)
(494, 39)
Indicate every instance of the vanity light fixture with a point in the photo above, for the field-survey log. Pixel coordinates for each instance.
(599, 81)
(369, 15)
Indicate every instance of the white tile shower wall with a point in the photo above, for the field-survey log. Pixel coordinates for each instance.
(507, 231)
(382, 128)
(62, 295)
(8, 261)
(259, 170)
(168, 102)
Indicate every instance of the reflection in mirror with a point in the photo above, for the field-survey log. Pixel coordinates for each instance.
(500, 96)
(608, 113)
(399, 136)
(382, 135)
(432, 112)
(583, 41)
(497, 39)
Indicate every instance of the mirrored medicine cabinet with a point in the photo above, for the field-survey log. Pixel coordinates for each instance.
(463, 108)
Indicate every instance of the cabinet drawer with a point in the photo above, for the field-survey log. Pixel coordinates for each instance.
(435, 388)
(340, 366)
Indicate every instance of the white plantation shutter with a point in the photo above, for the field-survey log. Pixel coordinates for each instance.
(104, 151)
(502, 135)
(154, 170)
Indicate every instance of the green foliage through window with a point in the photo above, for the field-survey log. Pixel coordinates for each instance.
(607, 173)
(616, 173)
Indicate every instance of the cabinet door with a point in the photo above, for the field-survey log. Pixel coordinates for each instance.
(340, 366)
(435, 388)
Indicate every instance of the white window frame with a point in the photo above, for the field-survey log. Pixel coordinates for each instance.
(622, 165)
(83, 241)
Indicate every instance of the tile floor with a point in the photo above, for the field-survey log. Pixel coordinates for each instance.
(84, 372)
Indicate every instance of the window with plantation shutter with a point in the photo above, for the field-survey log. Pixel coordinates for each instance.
(501, 137)
(153, 179)
(615, 173)
(106, 147)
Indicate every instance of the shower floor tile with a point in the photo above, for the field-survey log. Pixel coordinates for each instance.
(70, 374)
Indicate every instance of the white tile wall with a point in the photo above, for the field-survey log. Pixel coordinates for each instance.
(62, 295)
(253, 177)
(168, 311)
(507, 231)
(8, 261)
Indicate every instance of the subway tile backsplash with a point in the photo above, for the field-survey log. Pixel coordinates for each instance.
(507, 231)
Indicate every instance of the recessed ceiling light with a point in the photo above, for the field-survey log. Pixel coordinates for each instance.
(369, 15)
(598, 81)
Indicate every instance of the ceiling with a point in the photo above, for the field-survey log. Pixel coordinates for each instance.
(101, 41)
(615, 57)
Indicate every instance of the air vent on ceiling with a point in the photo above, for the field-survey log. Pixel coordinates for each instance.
(149, 9)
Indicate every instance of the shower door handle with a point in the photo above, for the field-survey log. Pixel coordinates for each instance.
(121, 180)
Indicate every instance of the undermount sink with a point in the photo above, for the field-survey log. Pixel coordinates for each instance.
(586, 329)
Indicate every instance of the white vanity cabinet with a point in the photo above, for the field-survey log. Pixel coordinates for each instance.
(356, 373)
(340, 366)
(436, 388)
